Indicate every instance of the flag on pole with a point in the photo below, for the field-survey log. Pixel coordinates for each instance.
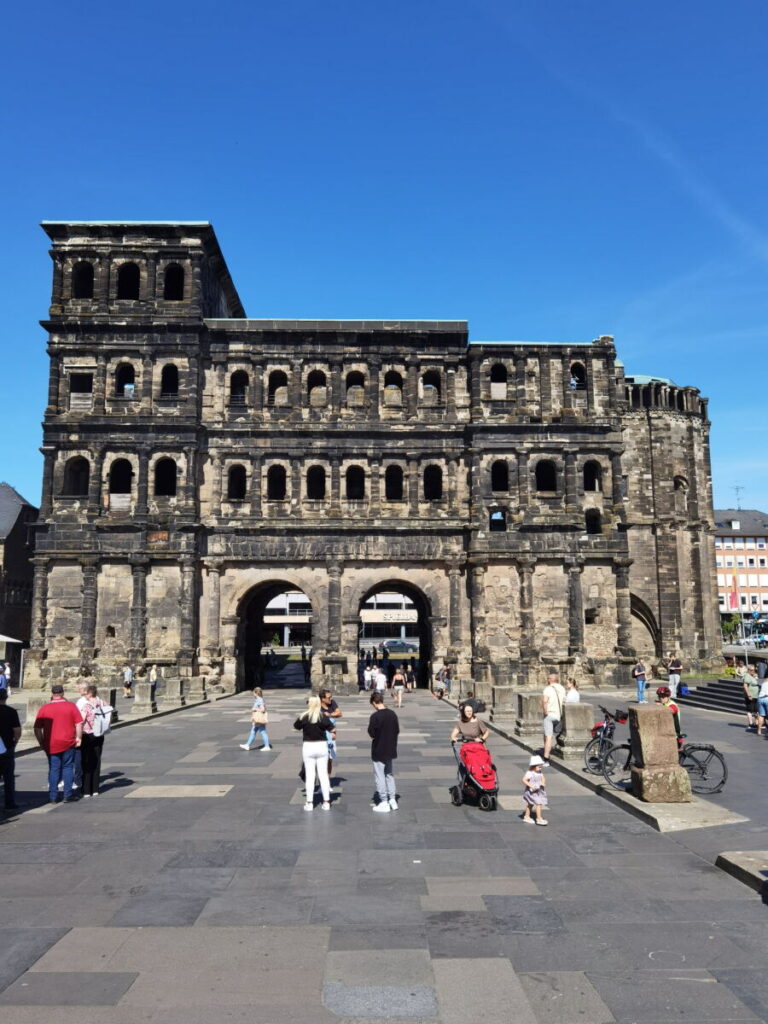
(733, 596)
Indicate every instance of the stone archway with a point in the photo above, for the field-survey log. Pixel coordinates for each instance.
(274, 636)
(379, 624)
(646, 635)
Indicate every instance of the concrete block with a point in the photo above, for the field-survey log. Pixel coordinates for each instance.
(528, 721)
(578, 720)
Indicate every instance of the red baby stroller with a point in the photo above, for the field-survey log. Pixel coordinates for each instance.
(477, 781)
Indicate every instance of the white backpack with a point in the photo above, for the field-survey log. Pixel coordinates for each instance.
(102, 719)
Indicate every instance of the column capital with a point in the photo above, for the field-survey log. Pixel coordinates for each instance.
(213, 568)
(139, 563)
(525, 563)
(622, 564)
(90, 564)
(40, 562)
(335, 568)
(574, 565)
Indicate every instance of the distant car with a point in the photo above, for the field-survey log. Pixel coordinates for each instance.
(400, 645)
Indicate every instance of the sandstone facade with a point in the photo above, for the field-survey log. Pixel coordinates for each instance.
(538, 506)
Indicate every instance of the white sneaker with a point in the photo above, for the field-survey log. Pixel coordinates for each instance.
(393, 805)
(309, 807)
(382, 808)
(542, 821)
(326, 807)
(265, 748)
(527, 821)
(244, 746)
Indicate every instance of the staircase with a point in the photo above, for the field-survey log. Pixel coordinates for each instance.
(717, 695)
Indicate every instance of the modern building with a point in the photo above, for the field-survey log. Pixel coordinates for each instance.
(533, 505)
(741, 561)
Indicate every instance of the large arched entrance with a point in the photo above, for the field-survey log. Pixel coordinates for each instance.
(397, 615)
(274, 641)
(646, 636)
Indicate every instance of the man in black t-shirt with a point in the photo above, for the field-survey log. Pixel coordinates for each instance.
(383, 728)
(10, 734)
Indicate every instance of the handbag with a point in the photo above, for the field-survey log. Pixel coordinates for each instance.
(259, 717)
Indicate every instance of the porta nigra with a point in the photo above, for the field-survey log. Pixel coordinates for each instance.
(537, 505)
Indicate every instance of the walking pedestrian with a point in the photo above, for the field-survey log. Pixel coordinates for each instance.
(572, 695)
(552, 700)
(314, 725)
(92, 744)
(380, 680)
(534, 792)
(675, 669)
(751, 685)
(127, 681)
(383, 728)
(762, 705)
(7, 672)
(331, 710)
(59, 731)
(259, 720)
(639, 675)
(10, 734)
(398, 685)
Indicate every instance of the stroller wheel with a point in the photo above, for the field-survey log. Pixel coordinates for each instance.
(486, 802)
(456, 796)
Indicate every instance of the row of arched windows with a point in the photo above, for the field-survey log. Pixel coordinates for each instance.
(546, 476)
(77, 477)
(498, 377)
(128, 281)
(317, 390)
(125, 381)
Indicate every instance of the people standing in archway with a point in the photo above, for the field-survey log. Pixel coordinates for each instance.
(314, 726)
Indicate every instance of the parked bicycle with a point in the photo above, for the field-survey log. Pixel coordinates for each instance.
(705, 765)
(602, 739)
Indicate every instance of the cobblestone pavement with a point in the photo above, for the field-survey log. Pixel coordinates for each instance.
(196, 889)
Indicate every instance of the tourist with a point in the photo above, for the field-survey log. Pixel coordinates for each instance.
(7, 673)
(92, 745)
(762, 705)
(153, 677)
(572, 695)
(751, 684)
(469, 729)
(398, 685)
(664, 697)
(383, 728)
(314, 726)
(674, 668)
(472, 700)
(369, 676)
(534, 791)
(10, 734)
(552, 700)
(380, 680)
(259, 720)
(3, 678)
(59, 731)
(331, 710)
(127, 681)
(410, 678)
(639, 675)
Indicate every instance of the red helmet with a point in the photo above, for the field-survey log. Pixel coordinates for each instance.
(663, 691)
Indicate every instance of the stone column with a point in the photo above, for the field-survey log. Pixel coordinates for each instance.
(39, 602)
(216, 484)
(296, 467)
(193, 382)
(477, 612)
(374, 367)
(335, 389)
(525, 569)
(454, 585)
(412, 390)
(589, 368)
(523, 480)
(335, 486)
(95, 483)
(335, 570)
(450, 393)
(623, 608)
(452, 484)
(617, 498)
(49, 464)
(571, 497)
(256, 486)
(298, 398)
(147, 366)
(258, 388)
(214, 607)
(374, 504)
(53, 384)
(57, 292)
(413, 485)
(100, 385)
(574, 569)
(187, 617)
(475, 388)
(88, 620)
(545, 383)
(190, 489)
(219, 389)
(139, 569)
(520, 372)
(152, 280)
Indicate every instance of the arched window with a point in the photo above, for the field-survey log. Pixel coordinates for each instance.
(236, 483)
(500, 476)
(681, 401)
(355, 389)
(173, 286)
(77, 474)
(498, 382)
(277, 389)
(165, 478)
(276, 483)
(120, 475)
(497, 521)
(393, 483)
(546, 476)
(393, 388)
(238, 388)
(125, 380)
(433, 483)
(317, 388)
(430, 388)
(593, 521)
(128, 279)
(578, 381)
(355, 483)
(82, 280)
(169, 381)
(316, 483)
(593, 476)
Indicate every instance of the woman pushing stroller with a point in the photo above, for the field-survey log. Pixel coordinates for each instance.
(477, 780)
(469, 728)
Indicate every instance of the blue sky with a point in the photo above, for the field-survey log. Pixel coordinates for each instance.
(550, 172)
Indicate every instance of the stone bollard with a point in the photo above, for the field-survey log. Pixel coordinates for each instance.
(578, 721)
(656, 774)
(197, 689)
(142, 701)
(528, 721)
(502, 703)
(112, 701)
(173, 695)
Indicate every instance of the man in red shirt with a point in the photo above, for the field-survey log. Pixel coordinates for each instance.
(58, 730)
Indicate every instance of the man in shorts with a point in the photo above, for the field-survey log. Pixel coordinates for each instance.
(552, 700)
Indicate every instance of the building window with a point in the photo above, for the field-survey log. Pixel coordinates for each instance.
(719, 562)
(276, 483)
(355, 483)
(77, 474)
(593, 521)
(498, 382)
(165, 478)
(277, 388)
(125, 381)
(355, 389)
(430, 389)
(593, 476)
(728, 542)
(169, 381)
(750, 563)
(317, 388)
(497, 521)
(761, 543)
(578, 378)
(120, 476)
(393, 388)
(546, 477)
(238, 388)
(82, 281)
(738, 542)
(718, 542)
(433, 483)
(316, 483)
(393, 483)
(236, 483)
(128, 279)
(173, 286)
(500, 476)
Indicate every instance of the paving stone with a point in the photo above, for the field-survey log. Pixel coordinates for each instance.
(473, 935)
(529, 914)
(749, 985)
(564, 998)
(661, 996)
(155, 910)
(411, 937)
(478, 990)
(68, 989)
(387, 1001)
(22, 947)
(385, 966)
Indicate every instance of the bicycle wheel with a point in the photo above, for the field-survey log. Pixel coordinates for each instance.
(617, 763)
(593, 755)
(706, 768)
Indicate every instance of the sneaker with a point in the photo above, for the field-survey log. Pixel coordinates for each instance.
(542, 821)
(382, 808)
(265, 748)
(309, 807)
(244, 746)
(393, 805)
(527, 821)
(61, 786)
(326, 807)
(86, 796)
(546, 764)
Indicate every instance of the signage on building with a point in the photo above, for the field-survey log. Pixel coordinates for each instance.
(389, 615)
